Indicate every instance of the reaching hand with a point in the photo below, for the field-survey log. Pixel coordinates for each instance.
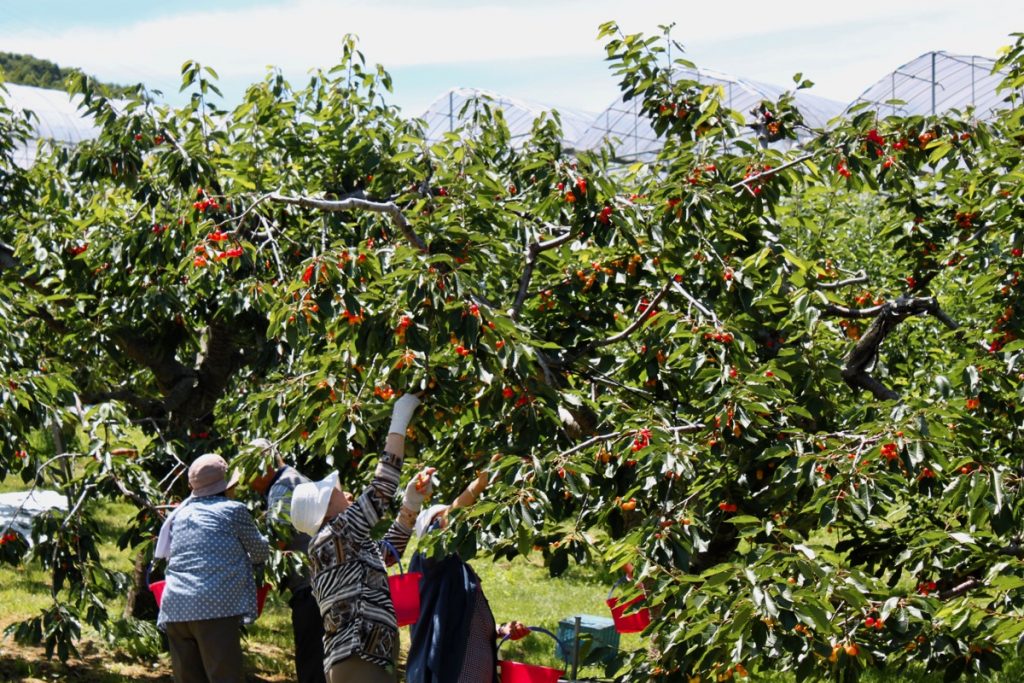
(513, 630)
(479, 485)
(401, 414)
(419, 489)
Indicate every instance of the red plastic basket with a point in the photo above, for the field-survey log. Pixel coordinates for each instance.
(261, 597)
(405, 591)
(157, 588)
(517, 672)
(633, 622)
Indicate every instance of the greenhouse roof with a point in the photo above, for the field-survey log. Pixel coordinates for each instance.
(933, 83)
(57, 118)
(453, 110)
(937, 82)
(632, 137)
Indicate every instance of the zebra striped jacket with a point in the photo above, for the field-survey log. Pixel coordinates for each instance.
(349, 577)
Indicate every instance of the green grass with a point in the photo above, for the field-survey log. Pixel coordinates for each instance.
(522, 590)
(24, 590)
(519, 590)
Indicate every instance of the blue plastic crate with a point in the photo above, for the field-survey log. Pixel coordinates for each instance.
(597, 635)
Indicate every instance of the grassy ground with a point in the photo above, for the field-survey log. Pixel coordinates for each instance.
(25, 590)
(519, 590)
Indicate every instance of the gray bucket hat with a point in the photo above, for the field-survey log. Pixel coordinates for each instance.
(207, 476)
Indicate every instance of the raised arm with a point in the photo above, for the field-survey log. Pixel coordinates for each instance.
(472, 492)
(374, 502)
(417, 491)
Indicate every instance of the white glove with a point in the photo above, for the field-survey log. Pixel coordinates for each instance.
(419, 489)
(401, 414)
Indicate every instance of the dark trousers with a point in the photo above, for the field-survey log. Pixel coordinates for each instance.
(308, 627)
(206, 651)
(355, 670)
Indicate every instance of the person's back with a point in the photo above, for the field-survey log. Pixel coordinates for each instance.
(278, 486)
(453, 641)
(455, 638)
(211, 545)
(347, 569)
(279, 501)
(209, 573)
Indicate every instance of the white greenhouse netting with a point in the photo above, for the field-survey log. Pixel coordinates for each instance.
(935, 83)
(18, 509)
(629, 131)
(57, 118)
(454, 109)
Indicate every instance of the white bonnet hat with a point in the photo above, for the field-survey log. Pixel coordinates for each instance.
(310, 501)
(426, 518)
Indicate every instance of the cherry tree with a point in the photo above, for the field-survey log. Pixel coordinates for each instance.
(782, 385)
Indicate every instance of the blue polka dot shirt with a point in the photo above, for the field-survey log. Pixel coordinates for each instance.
(214, 545)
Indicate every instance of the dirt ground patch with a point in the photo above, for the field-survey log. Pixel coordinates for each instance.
(22, 664)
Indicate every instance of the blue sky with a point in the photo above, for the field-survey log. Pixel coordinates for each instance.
(544, 50)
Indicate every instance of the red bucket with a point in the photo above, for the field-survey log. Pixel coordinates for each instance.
(517, 672)
(405, 591)
(405, 594)
(157, 588)
(634, 622)
(261, 597)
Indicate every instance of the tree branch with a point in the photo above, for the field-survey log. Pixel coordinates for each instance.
(549, 377)
(219, 358)
(158, 355)
(7, 260)
(633, 326)
(533, 250)
(764, 174)
(696, 304)
(836, 311)
(235, 219)
(1013, 550)
(268, 233)
(861, 359)
(597, 378)
(140, 501)
(959, 589)
(353, 203)
(855, 280)
(147, 406)
(680, 429)
(78, 504)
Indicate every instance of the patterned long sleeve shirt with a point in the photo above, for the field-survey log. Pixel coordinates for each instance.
(349, 577)
(214, 545)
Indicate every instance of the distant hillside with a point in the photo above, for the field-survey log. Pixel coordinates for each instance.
(41, 73)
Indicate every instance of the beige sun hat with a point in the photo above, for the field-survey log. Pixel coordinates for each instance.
(207, 475)
(310, 501)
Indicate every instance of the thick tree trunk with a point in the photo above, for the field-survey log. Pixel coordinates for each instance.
(139, 602)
